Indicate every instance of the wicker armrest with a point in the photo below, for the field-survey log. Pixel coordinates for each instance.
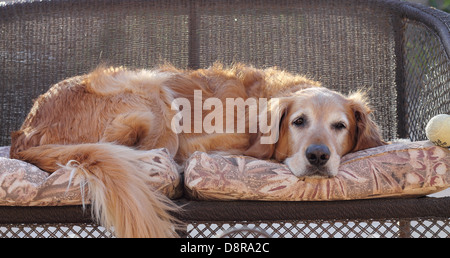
(433, 18)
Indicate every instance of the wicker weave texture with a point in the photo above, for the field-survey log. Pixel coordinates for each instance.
(427, 75)
(420, 228)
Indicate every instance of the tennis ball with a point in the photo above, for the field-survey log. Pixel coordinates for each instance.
(438, 130)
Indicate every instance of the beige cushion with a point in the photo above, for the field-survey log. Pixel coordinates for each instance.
(22, 184)
(397, 170)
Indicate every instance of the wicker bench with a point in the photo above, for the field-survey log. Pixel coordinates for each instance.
(398, 51)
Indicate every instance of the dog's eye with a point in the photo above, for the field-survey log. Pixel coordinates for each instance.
(339, 126)
(299, 121)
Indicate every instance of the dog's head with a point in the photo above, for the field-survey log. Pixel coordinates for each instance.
(316, 128)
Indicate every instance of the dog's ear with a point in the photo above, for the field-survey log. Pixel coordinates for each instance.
(367, 134)
(271, 130)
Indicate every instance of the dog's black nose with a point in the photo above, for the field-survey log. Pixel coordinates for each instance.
(317, 155)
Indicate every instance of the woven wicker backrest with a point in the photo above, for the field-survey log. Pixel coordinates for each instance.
(348, 45)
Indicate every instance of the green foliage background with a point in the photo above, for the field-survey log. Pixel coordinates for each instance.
(441, 4)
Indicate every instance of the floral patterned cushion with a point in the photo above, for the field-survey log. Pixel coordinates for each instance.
(396, 170)
(407, 169)
(22, 184)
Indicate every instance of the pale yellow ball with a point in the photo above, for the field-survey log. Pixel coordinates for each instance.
(438, 130)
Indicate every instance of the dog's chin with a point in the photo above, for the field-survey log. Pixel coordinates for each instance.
(301, 169)
(314, 172)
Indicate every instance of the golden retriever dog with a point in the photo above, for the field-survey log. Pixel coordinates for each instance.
(99, 124)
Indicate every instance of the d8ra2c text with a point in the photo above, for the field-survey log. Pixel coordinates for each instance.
(246, 247)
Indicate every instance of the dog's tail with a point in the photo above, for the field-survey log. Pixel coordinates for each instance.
(118, 186)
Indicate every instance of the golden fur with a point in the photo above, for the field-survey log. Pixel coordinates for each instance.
(97, 125)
